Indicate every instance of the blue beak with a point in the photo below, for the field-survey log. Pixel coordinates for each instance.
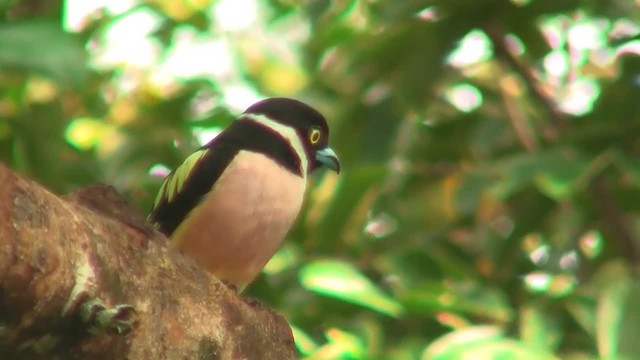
(328, 158)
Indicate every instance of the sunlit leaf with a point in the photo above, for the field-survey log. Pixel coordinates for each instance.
(283, 259)
(464, 97)
(609, 319)
(556, 186)
(343, 281)
(480, 342)
(351, 344)
(452, 320)
(279, 78)
(340, 345)
(305, 344)
(85, 133)
(617, 319)
(591, 244)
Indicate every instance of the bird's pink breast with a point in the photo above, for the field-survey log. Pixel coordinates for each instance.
(241, 223)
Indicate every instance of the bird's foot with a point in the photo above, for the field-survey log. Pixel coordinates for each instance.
(117, 320)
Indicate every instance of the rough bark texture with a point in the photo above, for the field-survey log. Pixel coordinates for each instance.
(56, 254)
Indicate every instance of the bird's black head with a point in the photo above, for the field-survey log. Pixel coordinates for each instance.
(309, 126)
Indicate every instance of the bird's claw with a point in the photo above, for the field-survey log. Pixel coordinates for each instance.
(117, 320)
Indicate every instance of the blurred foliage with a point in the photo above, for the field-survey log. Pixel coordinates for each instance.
(489, 202)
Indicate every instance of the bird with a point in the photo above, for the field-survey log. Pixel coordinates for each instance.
(230, 204)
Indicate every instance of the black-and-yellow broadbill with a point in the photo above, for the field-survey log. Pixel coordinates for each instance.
(230, 204)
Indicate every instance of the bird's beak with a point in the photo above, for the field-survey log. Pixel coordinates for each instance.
(328, 158)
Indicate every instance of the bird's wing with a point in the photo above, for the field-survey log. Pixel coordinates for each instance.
(185, 187)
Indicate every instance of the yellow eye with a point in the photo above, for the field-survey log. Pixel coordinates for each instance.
(314, 136)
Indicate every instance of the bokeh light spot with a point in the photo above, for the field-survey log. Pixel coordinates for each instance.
(540, 255)
(556, 63)
(204, 135)
(84, 133)
(381, 225)
(429, 13)
(128, 40)
(159, 170)
(591, 244)
(586, 36)
(197, 56)
(235, 14)
(465, 97)
(569, 261)
(580, 96)
(238, 97)
(538, 281)
(473, 48)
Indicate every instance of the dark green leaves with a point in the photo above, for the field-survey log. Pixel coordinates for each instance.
(41, 46)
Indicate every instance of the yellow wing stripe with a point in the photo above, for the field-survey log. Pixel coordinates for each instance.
(173, 184)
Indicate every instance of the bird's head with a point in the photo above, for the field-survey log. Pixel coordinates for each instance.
(304, 128)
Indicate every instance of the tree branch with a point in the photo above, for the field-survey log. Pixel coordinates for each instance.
(559, 121)
(72, 267)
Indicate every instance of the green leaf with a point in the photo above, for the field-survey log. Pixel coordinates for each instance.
(583, 310)
(41, 46)
(448, 343)
(340, 345)
(480, 342)
(481, 301)
(558, 185)
(611, 272)
(350, 344)
(618, 320)
(555, 173)
(283, 259)
(539, 328)
(305, 344)
(460, 297)
(343, 281)
(609, 318)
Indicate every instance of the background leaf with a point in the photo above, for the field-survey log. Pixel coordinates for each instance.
(343, 281)
(40, 46)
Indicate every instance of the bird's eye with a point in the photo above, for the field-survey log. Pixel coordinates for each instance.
(314, 136)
